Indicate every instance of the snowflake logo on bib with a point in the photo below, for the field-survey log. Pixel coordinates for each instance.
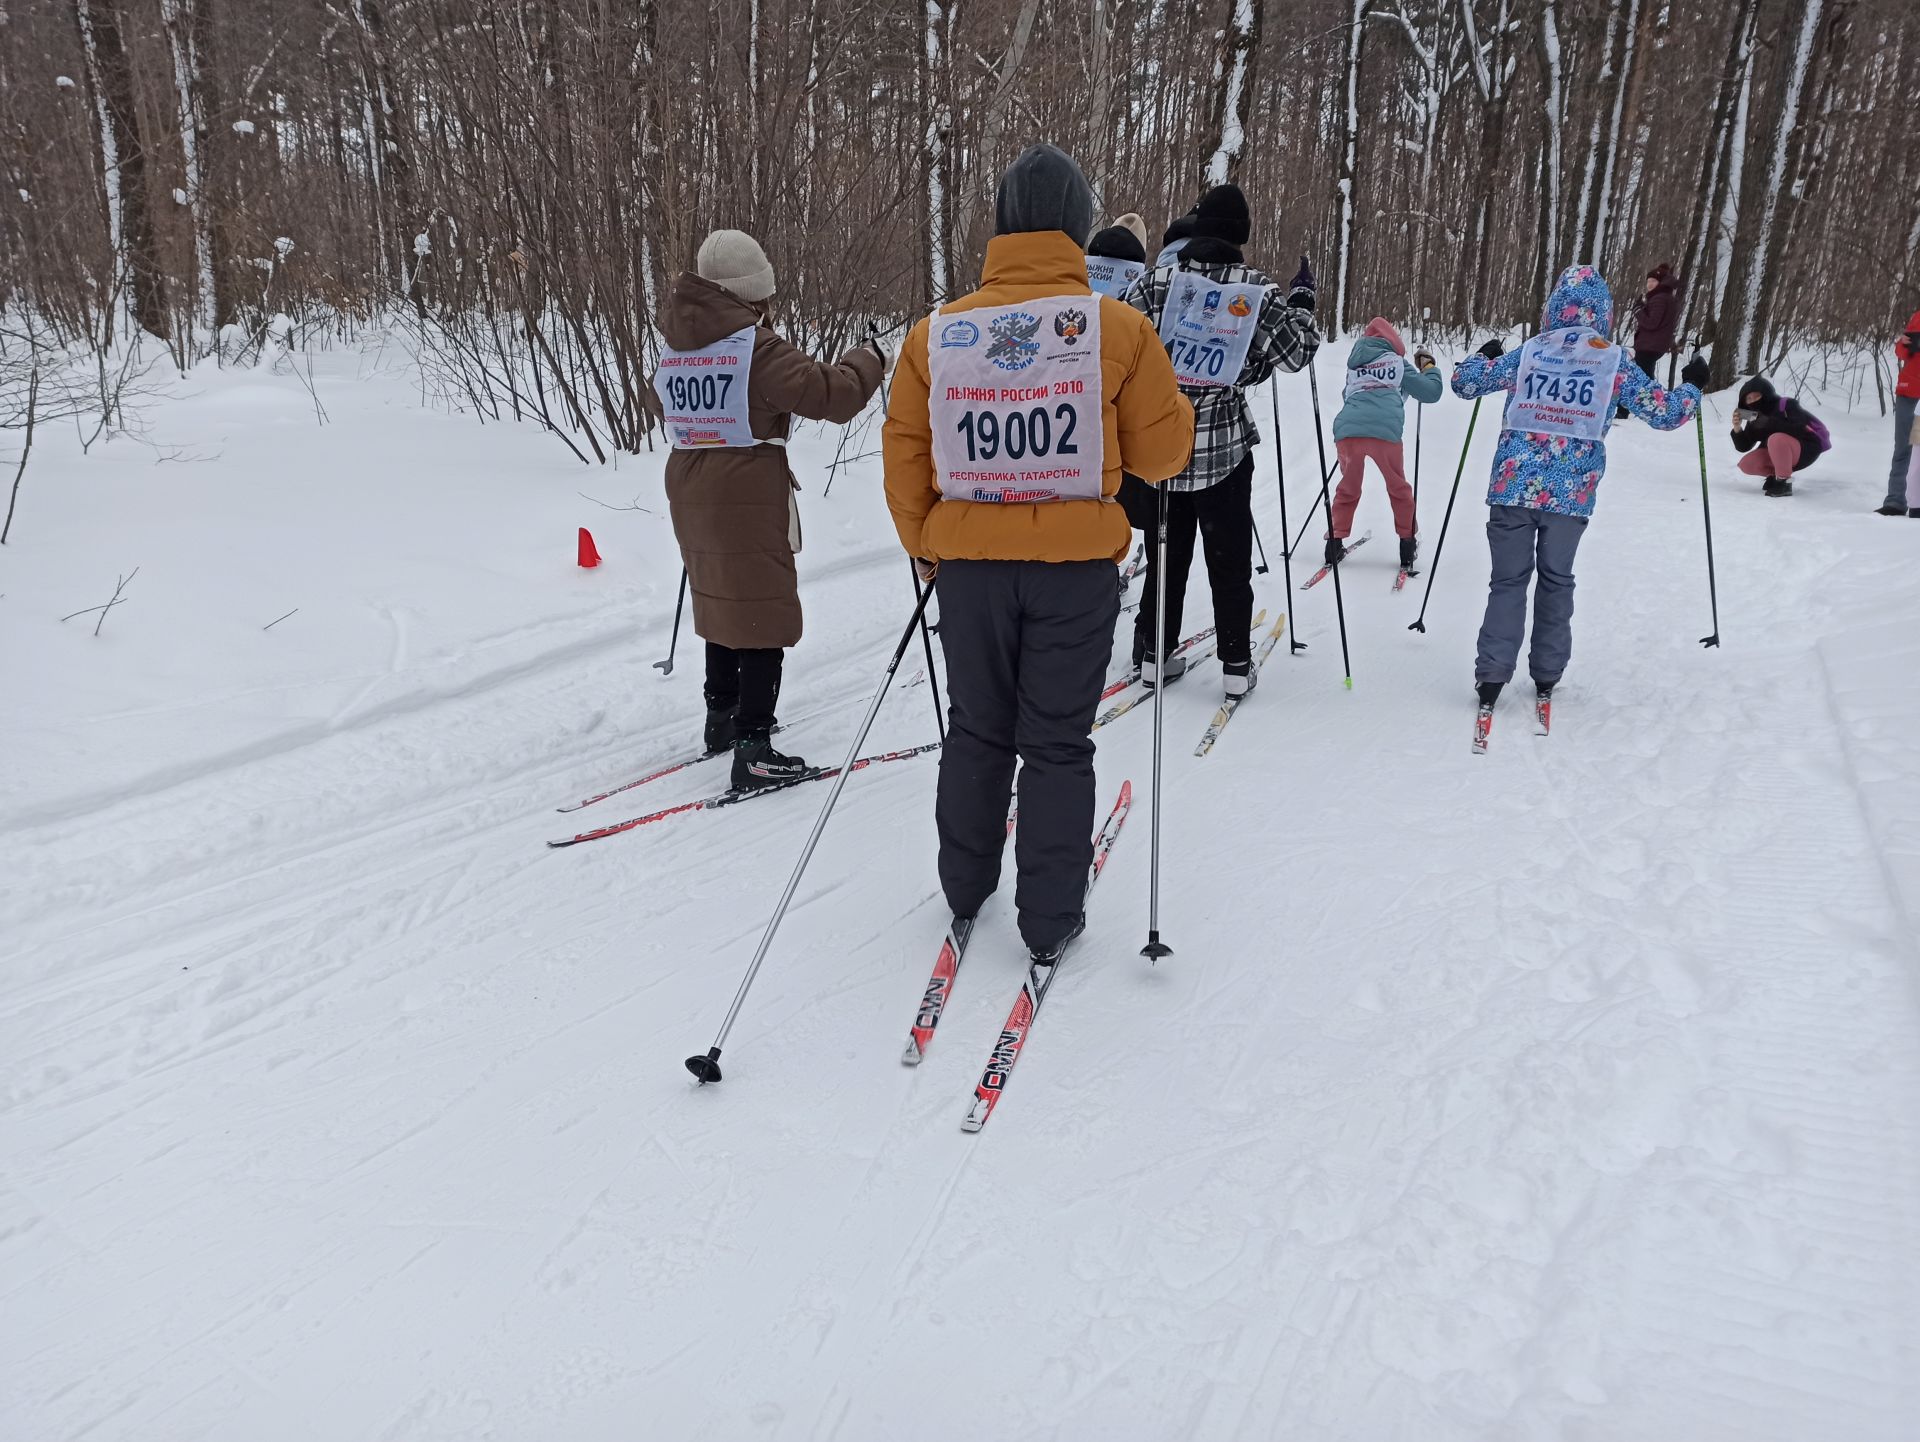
(1070, 325)
(1011, 345)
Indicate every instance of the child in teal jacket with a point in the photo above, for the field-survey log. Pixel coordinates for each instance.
(1370, 426)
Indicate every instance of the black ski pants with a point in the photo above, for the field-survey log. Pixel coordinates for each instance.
(749, 680)
(1223, 516)
(1027, 645)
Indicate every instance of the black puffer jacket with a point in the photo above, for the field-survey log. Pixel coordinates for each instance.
(1775, 414)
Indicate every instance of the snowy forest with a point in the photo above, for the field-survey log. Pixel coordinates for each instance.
(515, 178)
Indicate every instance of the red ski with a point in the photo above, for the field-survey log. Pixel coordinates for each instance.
(1033, 991)
(946, 966)
(731, 798)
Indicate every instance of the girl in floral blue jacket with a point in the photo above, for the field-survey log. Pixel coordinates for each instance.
(1563, 387)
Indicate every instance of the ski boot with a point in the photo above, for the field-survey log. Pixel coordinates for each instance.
(1892, 508)
(1542, 707)
(1050, 955)
(756, 765)
(1775, 487)
(1241, 678)
(1409, 551)
(719, 734)
(1152, 670)
(1336, 550)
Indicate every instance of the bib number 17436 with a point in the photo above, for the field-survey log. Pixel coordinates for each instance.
(1572, 391)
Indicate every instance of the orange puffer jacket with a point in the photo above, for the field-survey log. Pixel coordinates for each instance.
(1148, 430)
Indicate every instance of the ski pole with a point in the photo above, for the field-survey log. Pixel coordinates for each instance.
(1294, 645)
(1419, 415)
(833, 471)
(1155, 948)
(1301, 534)
(933, 679)
(1434, 569)
(707, 1067)
(665, 667)
(1326, 475)
(1706, 514)
(1261, 569)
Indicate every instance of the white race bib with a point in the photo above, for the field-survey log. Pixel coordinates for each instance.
(1014, 401)
(1109, 276)
(1565, 384)
(704, 393)
(1208, 327)
(1381, 375)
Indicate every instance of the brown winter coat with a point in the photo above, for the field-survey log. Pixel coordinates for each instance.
(1149, 425)
(734, 512)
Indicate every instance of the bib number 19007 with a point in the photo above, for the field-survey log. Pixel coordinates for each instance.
(698, 395)
(1019, 433)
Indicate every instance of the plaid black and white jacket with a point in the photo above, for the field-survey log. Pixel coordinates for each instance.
(1223, 428)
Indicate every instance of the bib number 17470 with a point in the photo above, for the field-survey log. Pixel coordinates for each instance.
(1195, 360)
(1019, 434)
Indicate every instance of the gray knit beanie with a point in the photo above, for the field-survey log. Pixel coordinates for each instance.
(734, 259)
(1044, 190)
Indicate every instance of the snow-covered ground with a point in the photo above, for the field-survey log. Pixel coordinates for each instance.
(1572, 1091)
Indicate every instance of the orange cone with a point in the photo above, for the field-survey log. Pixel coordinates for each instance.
(589, 554)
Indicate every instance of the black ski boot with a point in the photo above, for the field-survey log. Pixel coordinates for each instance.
(1489, 691)
(757, 765)
(1891, 508)
(1777, 488)
(1151, 671)
(1409, 551)
(720, 728)
(1050, 955)
(1336, 550)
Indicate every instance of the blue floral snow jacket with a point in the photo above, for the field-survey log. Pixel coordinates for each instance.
(1562, 473)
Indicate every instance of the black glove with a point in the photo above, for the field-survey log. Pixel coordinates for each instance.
(1492, 350)
(1300, 290)
(1913, 342)
(1695, 373)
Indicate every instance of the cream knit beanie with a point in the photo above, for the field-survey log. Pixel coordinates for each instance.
(734, 259)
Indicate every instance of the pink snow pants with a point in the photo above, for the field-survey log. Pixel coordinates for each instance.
(1775, 460)
(1354, 454)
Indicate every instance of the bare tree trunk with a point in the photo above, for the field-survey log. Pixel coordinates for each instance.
(1553, 100)
(123, 162)
(1233, 77)
(1343, 316)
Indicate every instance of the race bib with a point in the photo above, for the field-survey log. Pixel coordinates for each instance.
(1208, 327)
(704, 393)
(1112, 277)
(1565, 385)
(1381, 375)
(1014, 401)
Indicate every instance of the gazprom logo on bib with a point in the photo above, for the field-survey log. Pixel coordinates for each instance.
(959, 334)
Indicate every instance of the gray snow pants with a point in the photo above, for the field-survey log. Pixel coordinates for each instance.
(1027, 645)
(1902, 449)
(1523, 540)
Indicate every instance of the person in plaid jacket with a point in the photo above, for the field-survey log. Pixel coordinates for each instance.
(1214, 494)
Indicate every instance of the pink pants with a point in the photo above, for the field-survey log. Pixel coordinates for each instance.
(1775, 460)
(1354, 454)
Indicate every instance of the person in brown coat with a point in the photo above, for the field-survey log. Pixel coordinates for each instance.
(729, 387)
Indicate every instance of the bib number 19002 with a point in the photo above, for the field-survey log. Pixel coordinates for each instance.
(1020, 434)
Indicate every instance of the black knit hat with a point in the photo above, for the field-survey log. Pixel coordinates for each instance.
(1044, 190)
(1179, 228)
(1116, 242)
(1222, 213)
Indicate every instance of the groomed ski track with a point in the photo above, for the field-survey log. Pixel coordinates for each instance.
(1570, 1091)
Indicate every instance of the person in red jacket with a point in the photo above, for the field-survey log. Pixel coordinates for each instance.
(1906, 392)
